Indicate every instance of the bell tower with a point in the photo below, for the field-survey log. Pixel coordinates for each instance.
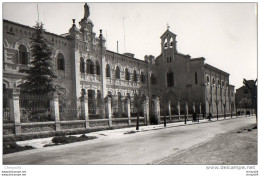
(168, 46)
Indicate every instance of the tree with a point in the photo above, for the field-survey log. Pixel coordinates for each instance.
(41, 78)
(165, 97)
(138, 100)
(253, 91)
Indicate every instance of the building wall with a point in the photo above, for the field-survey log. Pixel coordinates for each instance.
(83, 43)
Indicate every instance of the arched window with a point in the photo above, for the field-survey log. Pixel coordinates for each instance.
(127, 75)
(97, 68)
(207, 80)
(171, 42)
(60, 62)
(218, 82)
(227, 85)
(196, 78)
(117, 72)
(135, 79)
(213, 81)
(107, 71)
(82, 65)
(90, 66)
(169, 59)
(222, 84)
(142, 77)
(153, 81)
(23, 56)
(170, 79)
(165, 43)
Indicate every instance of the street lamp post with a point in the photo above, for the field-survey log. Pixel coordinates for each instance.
(164, 120)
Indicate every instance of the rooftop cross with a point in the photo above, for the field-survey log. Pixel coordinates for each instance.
(168, 27)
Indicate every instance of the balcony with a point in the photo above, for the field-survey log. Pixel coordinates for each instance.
(90, 77)
(122, 82)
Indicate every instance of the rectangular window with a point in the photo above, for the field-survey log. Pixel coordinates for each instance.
(170, 79)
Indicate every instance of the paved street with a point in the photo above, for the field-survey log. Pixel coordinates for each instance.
(138, 148)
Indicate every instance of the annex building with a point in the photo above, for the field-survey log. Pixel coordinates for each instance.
(86, 66)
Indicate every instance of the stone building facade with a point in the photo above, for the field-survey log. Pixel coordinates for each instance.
(244, 97)
(85, 65)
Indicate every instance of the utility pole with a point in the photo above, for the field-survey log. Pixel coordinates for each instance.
(124, 31)
(38, 12)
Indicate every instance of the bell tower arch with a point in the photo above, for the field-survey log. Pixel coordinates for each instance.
(168, 46)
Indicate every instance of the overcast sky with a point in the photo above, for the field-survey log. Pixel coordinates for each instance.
(223, 33)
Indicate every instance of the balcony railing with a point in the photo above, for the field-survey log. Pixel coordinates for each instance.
(123, 82)
(90, 77)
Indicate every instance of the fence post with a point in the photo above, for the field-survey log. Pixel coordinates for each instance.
(128, 109)
(109, 111)
(146, 106)
(179, 110)
(55, 110)
(157, 109)
(15, 110)
(84, 109)
(187, 112)
(170, 113)
(193, 107)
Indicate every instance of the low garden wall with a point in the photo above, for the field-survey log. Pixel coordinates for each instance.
(73, 125)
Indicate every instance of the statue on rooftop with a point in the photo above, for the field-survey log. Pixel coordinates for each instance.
(86, 9)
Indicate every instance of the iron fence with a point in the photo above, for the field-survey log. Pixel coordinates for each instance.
(70, 109)
(119, 109)
(96, 109)
(35, 108)
(6, 109)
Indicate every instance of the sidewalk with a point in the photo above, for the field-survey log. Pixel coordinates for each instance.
(110, 134)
